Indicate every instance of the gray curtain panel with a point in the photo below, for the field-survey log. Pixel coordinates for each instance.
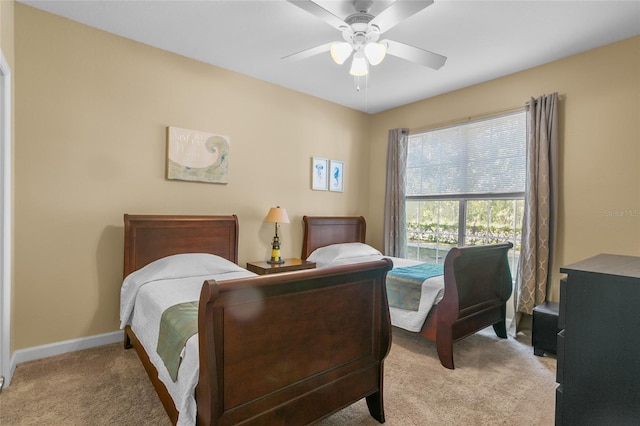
(395, 233)
(541, 206)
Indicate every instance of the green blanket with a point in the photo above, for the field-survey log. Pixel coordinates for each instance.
(404, 285)
(177, 325)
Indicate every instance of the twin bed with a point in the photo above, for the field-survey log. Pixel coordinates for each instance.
(469, 296)
(287, 348)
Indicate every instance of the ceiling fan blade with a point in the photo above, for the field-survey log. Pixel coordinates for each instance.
(414, 54)
(320, 12)
(309, 52)
(398, 12)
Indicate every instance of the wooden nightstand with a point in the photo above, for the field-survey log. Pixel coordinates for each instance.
(263, 268)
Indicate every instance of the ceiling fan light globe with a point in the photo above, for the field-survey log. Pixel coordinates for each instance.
(359, 66)
(340, 52)
(375, 52)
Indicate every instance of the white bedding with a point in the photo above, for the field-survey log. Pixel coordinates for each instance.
(145, 295)
(432, 289)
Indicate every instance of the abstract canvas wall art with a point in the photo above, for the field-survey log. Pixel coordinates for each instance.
(197, 156)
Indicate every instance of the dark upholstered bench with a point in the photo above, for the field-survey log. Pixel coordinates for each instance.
(544, 334)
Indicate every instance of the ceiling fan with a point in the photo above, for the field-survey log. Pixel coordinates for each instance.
(361, 32)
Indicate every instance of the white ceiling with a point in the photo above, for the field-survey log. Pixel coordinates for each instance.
(483, 40)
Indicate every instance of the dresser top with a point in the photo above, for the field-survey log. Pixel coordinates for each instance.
(610, 264)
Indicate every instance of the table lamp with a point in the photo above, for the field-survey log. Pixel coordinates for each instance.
(276, 215)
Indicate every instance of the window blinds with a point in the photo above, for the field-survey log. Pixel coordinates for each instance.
(482, 157)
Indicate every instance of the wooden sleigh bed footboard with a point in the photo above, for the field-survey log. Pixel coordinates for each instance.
(289, 349)
(283, 349)
(477, 283)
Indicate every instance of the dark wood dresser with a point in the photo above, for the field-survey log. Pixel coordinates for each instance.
(598, 370)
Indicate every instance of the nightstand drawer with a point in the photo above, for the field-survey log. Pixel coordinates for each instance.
(289, 265)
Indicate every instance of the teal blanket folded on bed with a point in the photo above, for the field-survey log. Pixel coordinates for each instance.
(177, 325)
(404, 284)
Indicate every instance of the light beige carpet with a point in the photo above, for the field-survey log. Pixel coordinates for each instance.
(496, 382)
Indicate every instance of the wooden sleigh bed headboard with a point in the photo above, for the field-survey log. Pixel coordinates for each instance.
(477, 282)
(151, 237)
(321, 231)
(287, 348)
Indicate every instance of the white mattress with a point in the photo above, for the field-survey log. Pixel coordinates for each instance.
(142, 306)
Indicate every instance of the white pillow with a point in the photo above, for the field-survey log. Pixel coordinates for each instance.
(329, 254)
(182, 266)
(168, 268)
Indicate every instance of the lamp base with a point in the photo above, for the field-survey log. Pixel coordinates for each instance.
(275, 262)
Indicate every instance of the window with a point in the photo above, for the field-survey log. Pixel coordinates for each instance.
(465, 186)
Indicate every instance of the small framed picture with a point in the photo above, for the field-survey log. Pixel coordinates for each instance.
(336, 176)
(319, 173)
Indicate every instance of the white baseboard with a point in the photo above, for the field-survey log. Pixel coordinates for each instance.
(59, 348)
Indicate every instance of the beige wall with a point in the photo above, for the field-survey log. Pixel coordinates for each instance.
(599, 144)
(91, 116)
(6, 29)
(91, 113)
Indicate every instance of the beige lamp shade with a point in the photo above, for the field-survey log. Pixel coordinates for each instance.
(277, 215)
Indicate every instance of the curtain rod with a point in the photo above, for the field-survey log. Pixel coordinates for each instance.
(477, 117)
(561, 97)
(455, 122)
